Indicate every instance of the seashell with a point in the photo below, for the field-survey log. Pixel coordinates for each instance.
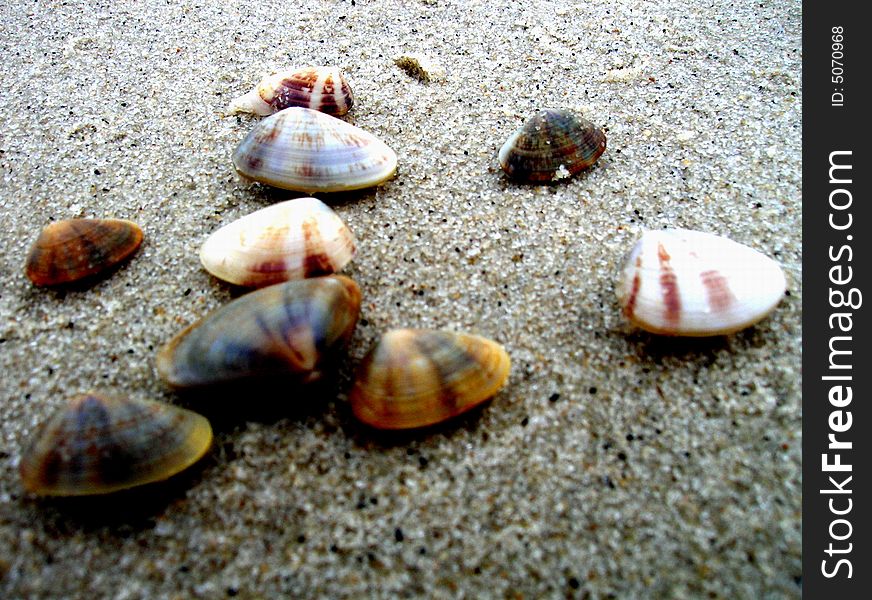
(97, 444)
(681, 282)
(551, 145)
(319, 88)
(74, 249)
(289, 240)
(415, 377)
(291, 329)
(307, 151)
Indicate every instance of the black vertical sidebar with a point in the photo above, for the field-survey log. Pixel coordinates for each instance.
(837, 301)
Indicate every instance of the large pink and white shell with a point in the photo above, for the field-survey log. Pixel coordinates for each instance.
(294, 239)
(689, 283)
(320, 88)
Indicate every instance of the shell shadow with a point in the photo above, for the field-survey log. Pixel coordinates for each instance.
(263, 400)
(120, 512)
(369, 438)
(268, 195)
(655, 348)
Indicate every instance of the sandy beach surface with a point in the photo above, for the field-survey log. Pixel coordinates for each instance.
(615, 464)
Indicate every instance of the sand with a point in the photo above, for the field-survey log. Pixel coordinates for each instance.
(614, 464)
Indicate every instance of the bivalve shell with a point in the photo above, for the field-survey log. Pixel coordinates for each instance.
(97, 444)
(551, 145)
(74, 249)
(307, 151)
(689, 283)
(320, 88)
(294, 239)
(414, 377)
(290, 330)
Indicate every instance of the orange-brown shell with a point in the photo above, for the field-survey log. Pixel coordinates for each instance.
(415, 377)
(97, 444)
(74, 249)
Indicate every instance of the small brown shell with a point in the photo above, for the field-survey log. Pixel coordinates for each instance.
(551, 145)
(415, 377)
(74, 249)
(320, 88)
(97, 444)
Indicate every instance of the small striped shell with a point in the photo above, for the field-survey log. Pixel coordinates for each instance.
(414, 377)
(294, 239)
(290, 330)
(307, 151)
(551, 145)
(74, 249)
(689, 283)
(319, 88)
(97, 444)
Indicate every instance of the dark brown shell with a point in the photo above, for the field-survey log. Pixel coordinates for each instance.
(74, 249)
(550, 146)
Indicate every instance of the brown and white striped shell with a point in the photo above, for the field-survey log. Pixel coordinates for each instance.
(307, 151)
(294, 239)
(416, 377)
(689, 283)
(74, 249)
(97, 444)
(319, 88)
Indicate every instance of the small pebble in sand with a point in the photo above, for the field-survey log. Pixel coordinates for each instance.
(421, 67)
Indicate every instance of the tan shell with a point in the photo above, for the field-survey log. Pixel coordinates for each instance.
(307, 151)
(415, 377)
(74, 249)
(690, 283)
(97, 444)
(294, 239)
(320, 88)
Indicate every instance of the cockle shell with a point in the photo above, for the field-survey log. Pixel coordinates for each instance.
(97, 444)
(414, 377)
(289, 330)
(307, 151)
(681, 282)
(289, 240)
(319, 88)
(74, 249)
(551, 145)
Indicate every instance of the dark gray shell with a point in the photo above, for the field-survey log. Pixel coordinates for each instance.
(551, 145)
(289, 330)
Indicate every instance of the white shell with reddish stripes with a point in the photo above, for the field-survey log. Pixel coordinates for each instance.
(307, 151)
(294, 239)
(319, 88)
(689, 283)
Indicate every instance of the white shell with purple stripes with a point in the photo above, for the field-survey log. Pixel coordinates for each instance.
(690, 283)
